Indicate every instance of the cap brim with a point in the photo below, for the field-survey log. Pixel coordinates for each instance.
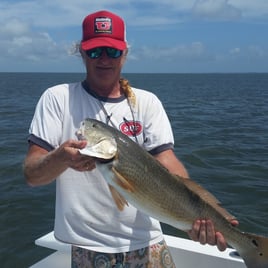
(103, 42)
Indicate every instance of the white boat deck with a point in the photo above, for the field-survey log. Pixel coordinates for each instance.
(186, 254)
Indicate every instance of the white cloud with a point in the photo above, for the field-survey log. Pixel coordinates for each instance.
(193, 51)
(22, 41)
(251, 8)
(235, 51)
(257, 52)
(197, 52)
(251, 51)
(14, 27)
(215, 9)
(64, 13)
(37, 31)
(19, 41)
(153, 21)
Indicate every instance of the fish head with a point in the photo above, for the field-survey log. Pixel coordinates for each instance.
(100, 143)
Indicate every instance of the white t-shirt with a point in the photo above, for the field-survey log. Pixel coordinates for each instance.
(86, 214)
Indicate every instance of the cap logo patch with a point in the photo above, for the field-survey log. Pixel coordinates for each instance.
(103, 25)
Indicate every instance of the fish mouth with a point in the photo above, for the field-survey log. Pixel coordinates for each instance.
(103, 148)
(79, 135)
(103, 161)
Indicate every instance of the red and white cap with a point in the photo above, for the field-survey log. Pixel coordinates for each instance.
(103, 29)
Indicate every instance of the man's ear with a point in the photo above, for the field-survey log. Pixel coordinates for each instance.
(125, 52)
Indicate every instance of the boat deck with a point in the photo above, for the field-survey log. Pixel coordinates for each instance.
(186, 254)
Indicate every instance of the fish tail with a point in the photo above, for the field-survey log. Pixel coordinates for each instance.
(255, 252)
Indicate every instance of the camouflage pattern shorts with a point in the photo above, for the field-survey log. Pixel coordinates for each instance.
(155, 256)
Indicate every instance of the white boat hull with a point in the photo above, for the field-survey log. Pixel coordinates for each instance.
(186, 254)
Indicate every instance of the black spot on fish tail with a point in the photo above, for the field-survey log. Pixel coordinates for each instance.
(254, 242)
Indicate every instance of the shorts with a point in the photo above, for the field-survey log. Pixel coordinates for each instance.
(155, 256)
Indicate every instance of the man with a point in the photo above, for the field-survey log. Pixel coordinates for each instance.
(86, 215)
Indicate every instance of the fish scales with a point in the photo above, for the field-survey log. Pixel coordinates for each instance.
(142, 169)
(145, 183)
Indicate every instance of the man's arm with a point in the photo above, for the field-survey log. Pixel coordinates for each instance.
(42, 167)
(169, 160)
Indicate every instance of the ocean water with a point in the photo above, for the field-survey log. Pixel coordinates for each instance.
(220, 124)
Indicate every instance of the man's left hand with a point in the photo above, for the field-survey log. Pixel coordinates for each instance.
(203, 231)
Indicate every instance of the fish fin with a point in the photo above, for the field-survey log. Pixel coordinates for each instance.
(207, 197)
(119, 200)
(197, 188)
(122, 181)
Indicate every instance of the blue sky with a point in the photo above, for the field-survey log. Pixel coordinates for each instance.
(177, 36)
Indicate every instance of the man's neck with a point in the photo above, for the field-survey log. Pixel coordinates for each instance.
(112, 91)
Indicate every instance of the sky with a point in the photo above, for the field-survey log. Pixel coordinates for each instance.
(165, 36)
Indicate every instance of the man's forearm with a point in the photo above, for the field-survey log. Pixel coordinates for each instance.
(43, 168)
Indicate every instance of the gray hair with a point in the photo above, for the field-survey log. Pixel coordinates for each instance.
(76, 49)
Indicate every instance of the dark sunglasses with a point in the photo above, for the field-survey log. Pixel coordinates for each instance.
(95, 53)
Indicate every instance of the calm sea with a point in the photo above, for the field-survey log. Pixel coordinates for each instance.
(220, 124)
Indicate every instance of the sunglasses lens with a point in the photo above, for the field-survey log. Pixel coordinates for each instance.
(94, 53)
(111, 52)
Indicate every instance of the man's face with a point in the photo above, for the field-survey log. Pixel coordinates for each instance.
(104, 70)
